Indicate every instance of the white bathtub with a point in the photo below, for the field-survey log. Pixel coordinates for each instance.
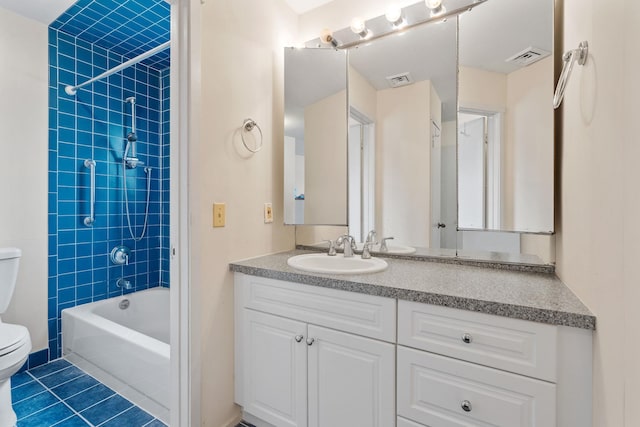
(131, 345)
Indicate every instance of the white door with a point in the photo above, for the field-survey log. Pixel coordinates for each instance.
(471, 173)
(275, 363)
(436, 185)
(351, 380)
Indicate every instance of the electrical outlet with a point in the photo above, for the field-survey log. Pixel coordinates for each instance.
(219, 214)
(268, 213)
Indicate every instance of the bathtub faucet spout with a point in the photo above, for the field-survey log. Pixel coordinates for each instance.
(124, 284)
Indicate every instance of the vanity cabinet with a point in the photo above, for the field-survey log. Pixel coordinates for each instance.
(292, 372)
(313, 356)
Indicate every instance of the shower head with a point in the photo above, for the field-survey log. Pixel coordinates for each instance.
(131, 99)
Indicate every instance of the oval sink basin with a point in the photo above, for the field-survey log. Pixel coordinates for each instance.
(393, 249)
(323, 263)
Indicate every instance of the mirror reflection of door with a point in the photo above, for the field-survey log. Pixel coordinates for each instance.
(437, 222)
(361, 160)
(479, 170)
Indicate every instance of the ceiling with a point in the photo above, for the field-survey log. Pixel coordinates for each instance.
(44, 11)
(126, 27)
(303, 6)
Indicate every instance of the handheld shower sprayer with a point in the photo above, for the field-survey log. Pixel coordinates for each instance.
(131, 150)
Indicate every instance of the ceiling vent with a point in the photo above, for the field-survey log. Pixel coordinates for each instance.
(528, 56)
(399, 80)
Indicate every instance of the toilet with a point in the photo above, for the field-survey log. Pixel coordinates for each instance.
(15, 342)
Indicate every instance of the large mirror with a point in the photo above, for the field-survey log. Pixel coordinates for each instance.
(505, 123)
(445, 170)
(315, 132)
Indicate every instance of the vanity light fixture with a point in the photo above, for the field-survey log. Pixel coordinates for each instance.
(394, 16)
(436, 7)
(360, 28)
(326, 37)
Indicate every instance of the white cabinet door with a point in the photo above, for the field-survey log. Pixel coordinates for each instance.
(351, 380)
(275, 369)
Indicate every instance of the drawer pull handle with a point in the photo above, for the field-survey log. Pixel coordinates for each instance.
(310, 341)
(299, 338)
(467, 338)
(466, 406)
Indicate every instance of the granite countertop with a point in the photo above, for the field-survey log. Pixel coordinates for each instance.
(538, 297)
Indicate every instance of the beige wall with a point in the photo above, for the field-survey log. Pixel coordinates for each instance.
(480, 89)
(362, 96)
(403, 153)
(528, 149)
(598, 241)
(325, 155)
(242, 76)
(24, 166)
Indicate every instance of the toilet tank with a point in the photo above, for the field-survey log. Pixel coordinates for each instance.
(9, 262)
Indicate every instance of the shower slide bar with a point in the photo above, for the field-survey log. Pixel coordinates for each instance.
(91, 165)
(72, 90)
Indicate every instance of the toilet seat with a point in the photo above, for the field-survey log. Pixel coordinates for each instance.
(12, 337)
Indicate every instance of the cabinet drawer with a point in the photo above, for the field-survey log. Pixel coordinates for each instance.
(361, 314)
(513, 345)
(442, 392)
(403, 422)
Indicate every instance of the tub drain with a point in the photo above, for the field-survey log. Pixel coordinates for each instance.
(124, 304)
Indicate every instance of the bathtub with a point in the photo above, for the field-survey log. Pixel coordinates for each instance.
(129, 344)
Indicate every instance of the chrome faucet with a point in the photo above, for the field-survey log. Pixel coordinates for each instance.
(371, 237)
(348, 243)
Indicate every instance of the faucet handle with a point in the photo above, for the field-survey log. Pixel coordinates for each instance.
(383, 244)
(332, 247)
(366, 254)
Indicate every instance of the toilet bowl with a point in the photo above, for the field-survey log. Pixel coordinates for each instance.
(15, 342)
(15, 345)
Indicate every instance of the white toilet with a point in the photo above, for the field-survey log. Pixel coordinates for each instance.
(15, 342)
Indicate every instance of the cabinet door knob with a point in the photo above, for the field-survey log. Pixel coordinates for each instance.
(310, 341)
(467, 338)
(466, 406)
(299, 338)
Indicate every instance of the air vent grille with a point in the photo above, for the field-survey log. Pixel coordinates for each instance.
(528, 56)
(399, 80)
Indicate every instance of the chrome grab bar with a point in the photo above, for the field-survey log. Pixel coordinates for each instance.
(91, 164)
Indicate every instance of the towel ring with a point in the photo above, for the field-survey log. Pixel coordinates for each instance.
(247, 126)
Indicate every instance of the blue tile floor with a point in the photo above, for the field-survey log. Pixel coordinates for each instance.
(59, 394)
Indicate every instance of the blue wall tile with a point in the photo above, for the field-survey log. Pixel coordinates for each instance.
(94, 124)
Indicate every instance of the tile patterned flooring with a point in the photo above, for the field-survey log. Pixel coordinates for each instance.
(60, 394)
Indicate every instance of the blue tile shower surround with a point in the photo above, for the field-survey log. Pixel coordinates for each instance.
(59, 394)
(88, 39)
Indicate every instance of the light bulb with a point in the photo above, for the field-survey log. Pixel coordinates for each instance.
(326, 37)
(357, 25)
(394, 13)
(394, 16)
(436, 7)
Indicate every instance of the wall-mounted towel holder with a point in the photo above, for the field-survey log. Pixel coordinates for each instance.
(248, 126)
(580, 54)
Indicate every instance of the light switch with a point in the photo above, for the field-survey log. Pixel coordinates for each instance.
(268, 213)
(219, 214)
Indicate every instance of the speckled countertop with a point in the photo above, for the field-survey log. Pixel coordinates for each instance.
(537, 297)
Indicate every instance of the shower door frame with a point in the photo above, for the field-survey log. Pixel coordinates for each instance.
(185, 113)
